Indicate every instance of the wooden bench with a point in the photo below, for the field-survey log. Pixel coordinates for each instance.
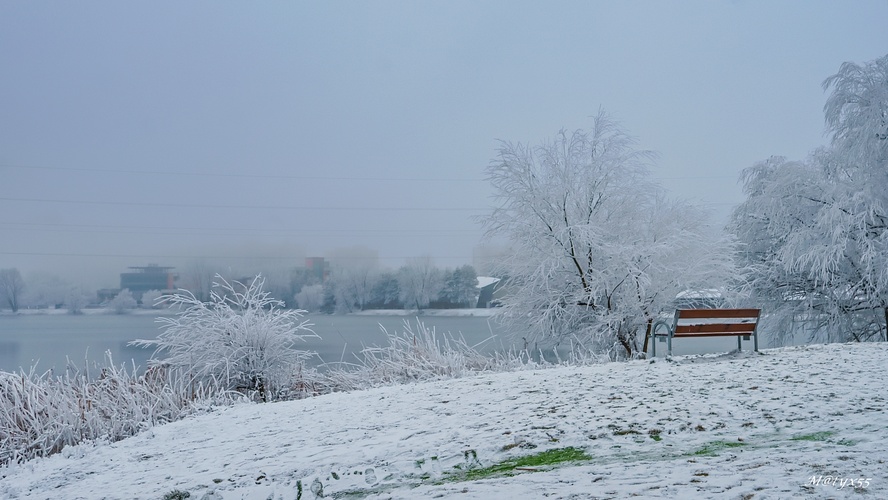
(740, 323)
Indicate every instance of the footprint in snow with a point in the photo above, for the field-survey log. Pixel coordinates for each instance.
(317, 488)
(370, 476)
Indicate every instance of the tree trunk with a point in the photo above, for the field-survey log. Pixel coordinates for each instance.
(886, 324)
(647, 336)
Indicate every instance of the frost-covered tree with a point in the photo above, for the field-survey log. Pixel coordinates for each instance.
(329, 306)
(45, 290)
(597, 253)
(241, 338)
(76, 299)
(12, 287)
(856, 113)
(420, 282)
(310, 298)
(816, 231)
(354, 276)
(151, 299)
(123, 302)
(198, 278)
(386, 292)
(460, 286)
(278, 282)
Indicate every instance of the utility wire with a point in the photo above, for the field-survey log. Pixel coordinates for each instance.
(213, 257)
(111, 229)
(301, 177)
(246, 207)
(250, 175)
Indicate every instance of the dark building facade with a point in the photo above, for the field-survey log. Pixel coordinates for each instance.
(150, 277)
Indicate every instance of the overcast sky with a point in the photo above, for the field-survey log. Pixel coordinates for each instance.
(260, 133)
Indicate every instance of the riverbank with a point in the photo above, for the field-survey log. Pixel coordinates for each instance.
(92, 311)
(473, 312)
(800, 422)
(476, 312)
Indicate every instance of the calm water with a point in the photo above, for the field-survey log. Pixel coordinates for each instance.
(50, 339)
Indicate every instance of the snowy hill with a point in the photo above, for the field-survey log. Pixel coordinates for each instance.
(807, 422)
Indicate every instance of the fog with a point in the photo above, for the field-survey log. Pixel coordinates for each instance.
(254, 135)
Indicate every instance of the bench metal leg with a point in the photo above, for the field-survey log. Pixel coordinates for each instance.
(669, 345)
(755, 341)
(654, 327)
(739, 343)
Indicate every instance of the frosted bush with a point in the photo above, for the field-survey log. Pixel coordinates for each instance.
(123, 302)
(241, 338)
(40, 414)
(151, 299)
(311, 297)
(419, 353)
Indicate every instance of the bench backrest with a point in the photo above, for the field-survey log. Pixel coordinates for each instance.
(707, 322)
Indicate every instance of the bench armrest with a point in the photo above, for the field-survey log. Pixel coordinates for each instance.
(667, 324)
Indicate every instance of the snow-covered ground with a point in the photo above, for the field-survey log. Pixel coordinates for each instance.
(801, 422)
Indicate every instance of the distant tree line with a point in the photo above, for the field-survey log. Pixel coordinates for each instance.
(419, 284)
(349, 287)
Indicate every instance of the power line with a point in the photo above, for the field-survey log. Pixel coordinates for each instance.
(253, 175)
(172, 230)
(213, 257)
(245, 207)
(244, 175)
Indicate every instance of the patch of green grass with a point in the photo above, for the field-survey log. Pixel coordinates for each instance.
(542, 460)
(716, 446)
(361, 493)
(816, 436)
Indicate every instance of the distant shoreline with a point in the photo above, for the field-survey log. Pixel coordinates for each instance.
(477, 312)
(427, 312)
(86, 312)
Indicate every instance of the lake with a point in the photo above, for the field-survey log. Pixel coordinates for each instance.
(51, 339)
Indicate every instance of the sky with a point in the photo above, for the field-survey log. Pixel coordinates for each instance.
(253, 135)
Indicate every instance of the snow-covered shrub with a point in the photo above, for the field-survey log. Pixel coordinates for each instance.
(310, 298)
(75, 300)
(123, 302)
(151, 299)
(241, 338)
(40, 414)
(418, 353)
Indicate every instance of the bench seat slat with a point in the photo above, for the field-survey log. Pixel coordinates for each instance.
(718, 313)
(713, 334)
(712, 328)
